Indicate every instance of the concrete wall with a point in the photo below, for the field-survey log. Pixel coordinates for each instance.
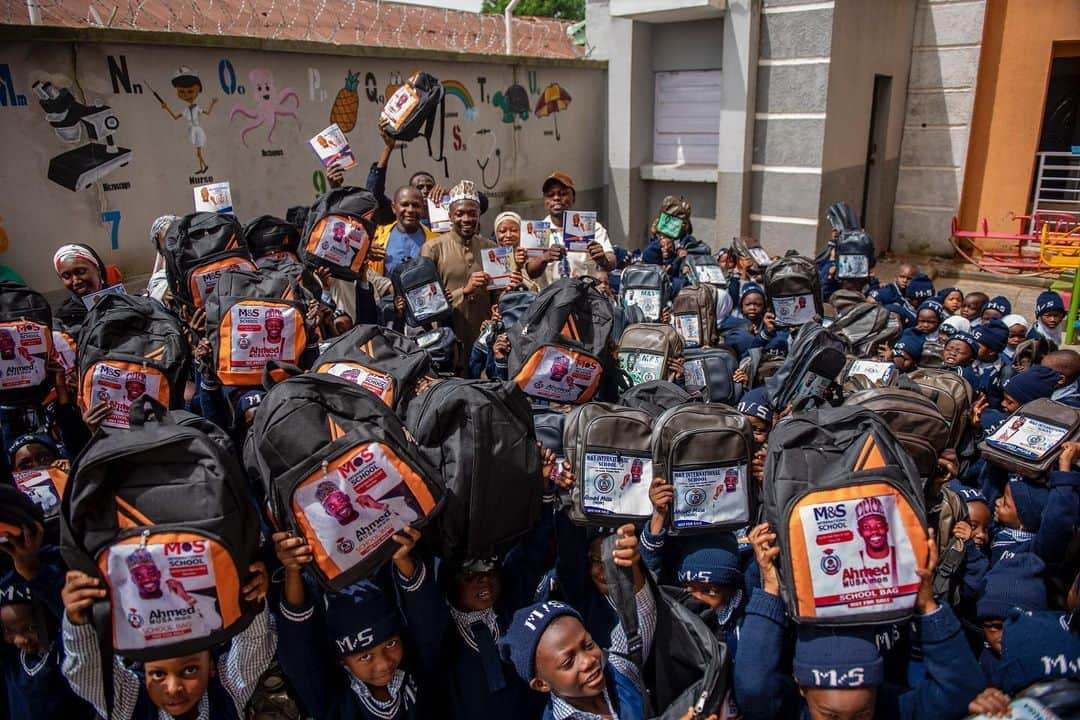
(941, 91)
(507, 155)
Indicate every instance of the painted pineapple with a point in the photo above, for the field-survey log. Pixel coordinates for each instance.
(346, 103)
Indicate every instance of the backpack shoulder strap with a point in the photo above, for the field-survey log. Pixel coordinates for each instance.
(621, 592)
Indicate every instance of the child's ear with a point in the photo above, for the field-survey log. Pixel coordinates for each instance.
(539, 685)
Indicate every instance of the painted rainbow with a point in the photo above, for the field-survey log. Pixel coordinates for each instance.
(456, 89)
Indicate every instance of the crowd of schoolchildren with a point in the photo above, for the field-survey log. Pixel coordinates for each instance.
(578, 608)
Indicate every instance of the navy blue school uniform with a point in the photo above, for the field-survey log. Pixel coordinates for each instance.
(1068, 395)
(623, 695)
(1056, 529)
(570, 581)
(653, 255)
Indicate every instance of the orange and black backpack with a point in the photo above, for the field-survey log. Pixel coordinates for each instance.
(26, 342)
(338, 232)
(199, 248)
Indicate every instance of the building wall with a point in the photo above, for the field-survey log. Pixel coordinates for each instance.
(1007, 118)
(261, 146)
(937, 124)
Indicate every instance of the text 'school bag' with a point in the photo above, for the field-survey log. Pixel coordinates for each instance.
(609, 449)
(704, 451)
(646, 286)
(338, 232)
(709, 371)
(383, 362)
(162, 513)
(846, 501)
(479, 435)
(810, 370)
(340, 471)
(694, 315)
(411, 110)
(417, 280)
(131, 346)
(26, 343)
(198, 249)
(953, 396)
(252, 318)
(646, 351)
(1029, 441)
(914, 420)
(559, 346)
(794, 289)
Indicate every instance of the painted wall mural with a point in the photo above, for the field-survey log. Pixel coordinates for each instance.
(102, 139)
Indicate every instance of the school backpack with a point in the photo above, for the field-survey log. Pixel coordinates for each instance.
(163, 514)
(26, 342)
(709, 371)
(794, 290)
(855, 255)
(865, 326)
(842, 217)
(338, 232)
(809, 373)
(953, 396)
(948, 576)
(846, 502)
(479, 435)
(914, 420)
(410, 111)
(549, 426)
(693, 314)
(704, 269)
(646, 286)
(761, 364)
(646, 350)
(842, 300)
(444, 349)
(859, 374)
(253, 317)
(340, 470)
(656, 396)
(131, 346)
(624, 317)
(609, 449)
(198, 249)
(933, 353)
(1029, 441)
(750, 249)
(559, 346)
(417, 280)
(378, 359)
(44, 487)
(688, 667)
(704, 451)
(271, 237)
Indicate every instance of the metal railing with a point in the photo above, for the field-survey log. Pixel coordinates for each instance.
(1057, 183)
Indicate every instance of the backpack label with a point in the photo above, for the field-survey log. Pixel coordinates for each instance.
(1027, 437)
(647, 300)
(24, 353)
(401, 104)
(255, 333)
(163, 593)
(878, 372)
(365, 496)
(205, 279)
(709, 496)
(559, 374)
(642, 366)
(810, 385)
(712, 274)
(794, 310)
(694, 373)
(426, 301)
(688, 325)
(120, 385)
(759, 255)
(342, 241)
(378, 384)
(617, 484)
(44, 487)
(856, 550)
(65, 354)
(852, 266)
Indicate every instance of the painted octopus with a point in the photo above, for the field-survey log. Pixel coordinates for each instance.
(269, 104)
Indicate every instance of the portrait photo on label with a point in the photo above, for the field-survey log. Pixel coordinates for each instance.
(260, 333)
(616, 484)
(709, 496)
(794, 310)
(646, 299)
(24, 353)
(561, 375)
(378, 384)
(1027, 437)
(120, 387)
(642, 366)
(340, 241)
(426, 301)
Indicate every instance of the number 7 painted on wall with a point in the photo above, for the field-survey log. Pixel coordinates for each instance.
(113, 216)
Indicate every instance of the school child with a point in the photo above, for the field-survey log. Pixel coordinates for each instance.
(951, 298)
(954, 324)
(839, 672)
(548, 647)
(997, 308)
(1066, 362)
(1036, 382)
(1049, 312)
(975, 532)
(1015, 582)
(894, 292)
(1035, 647)
(928, 318)
(959, 356)
(192, 687)
(365, 633)
(992, 336)
(972, 307)
(1018, 331)
(83, 272)
(920, 289)
(906, 351)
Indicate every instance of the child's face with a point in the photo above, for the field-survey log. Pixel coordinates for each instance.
(902, 361)
(477, 591)
(1017, 335)
(1005, 510)
(1052, 318)
(753, 307)
(376, 665)
(840, 704)
(986, 354)
(1009, 404)
(176, 685)
(979, 519)
(993, 632)
(20, 629)
(568, 662)
(596, 566)
(760, 429)
(927, 322)
(989, 314)
(971, 307)
(953, 302)
(713, 595)
(32, 456)
(956, 352)
(903, 277)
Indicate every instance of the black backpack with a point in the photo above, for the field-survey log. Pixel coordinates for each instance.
(411, 109)
(709, 371)
(417, 280)
(812, 366)
(377, 359)
(198, 249)
(338, 232)
(162, 512)
(131, 346)
(559, 347)
(646, 286)
(842, 217)
(863, 325)
(827, 471)
(794, 290)
(655, 397)
(444, 349)
(480, 436)
(513, 303)
(549, 426)
(762, 365)
(914, 420)
(26, 343)
(252, 318)
(341, 471)
(267, 235)
(704, 269)
(855, 255)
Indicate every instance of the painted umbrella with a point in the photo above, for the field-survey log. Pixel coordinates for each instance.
(553, 100)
